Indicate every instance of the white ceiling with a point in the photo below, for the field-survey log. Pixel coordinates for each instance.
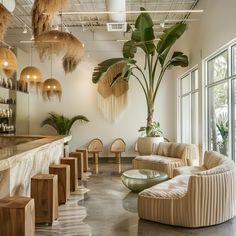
(93, 22)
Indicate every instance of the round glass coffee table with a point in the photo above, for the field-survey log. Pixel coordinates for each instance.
(139, 179)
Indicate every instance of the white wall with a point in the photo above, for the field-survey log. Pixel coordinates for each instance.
(80, 97)
(215, 28)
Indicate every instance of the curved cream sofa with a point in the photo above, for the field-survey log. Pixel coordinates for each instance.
(197, 197)
(168, 156)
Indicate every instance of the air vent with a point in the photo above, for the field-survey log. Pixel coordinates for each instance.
(117, 26)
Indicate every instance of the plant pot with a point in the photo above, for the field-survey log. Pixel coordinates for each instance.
(147, 145)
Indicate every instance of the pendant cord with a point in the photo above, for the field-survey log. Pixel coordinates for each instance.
(31, 56)
(51, 65)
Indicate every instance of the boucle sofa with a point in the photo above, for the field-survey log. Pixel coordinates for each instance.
(197, 197)
(168, 156)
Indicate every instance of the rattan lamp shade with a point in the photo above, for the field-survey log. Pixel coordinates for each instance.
(8, 62)
(51, 89)
(31, 75)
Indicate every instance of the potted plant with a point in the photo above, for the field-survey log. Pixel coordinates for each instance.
(61, 123)
(156, 55)
(153, 136)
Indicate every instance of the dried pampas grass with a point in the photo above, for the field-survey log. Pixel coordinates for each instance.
(5, 17)
(56, 42)
(42, 22)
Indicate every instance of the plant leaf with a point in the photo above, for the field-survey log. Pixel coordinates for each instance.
(104, 66)
(129, 49)
(178, 59)
(61, 123)
(168, 38)
(143, 33)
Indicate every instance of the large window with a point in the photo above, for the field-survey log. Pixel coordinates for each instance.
(188, 103)
(220, 104)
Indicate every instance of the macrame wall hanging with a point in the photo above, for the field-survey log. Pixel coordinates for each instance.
(112, 100)
(49, 41)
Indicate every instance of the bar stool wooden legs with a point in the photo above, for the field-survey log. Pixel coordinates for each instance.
(17, 216)
(44, 189)
(85, 157)
(79, 157)
(72, 162)
(63, 173)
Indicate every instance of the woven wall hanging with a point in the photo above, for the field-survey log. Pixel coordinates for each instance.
(112, 100)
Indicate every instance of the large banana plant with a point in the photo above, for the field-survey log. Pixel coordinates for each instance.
(61, 123)
(157, 58)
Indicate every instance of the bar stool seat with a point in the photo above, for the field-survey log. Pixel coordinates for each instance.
(63, 173)
(85, 157)
(44, 189)
(17, 216)
(72, 162)
(80, 163)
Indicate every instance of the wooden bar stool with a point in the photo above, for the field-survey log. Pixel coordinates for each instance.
(17, 216)
(44, 189)
(63, 173)
(72, 162)
(85, 157)
(79, 157)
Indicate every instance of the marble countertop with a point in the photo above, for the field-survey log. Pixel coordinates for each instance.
(12, 152)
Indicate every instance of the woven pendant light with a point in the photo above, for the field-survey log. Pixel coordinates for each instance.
(32, 76)
(8, 62)
(51, 89)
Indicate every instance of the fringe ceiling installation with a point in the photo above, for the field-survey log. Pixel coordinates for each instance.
(42, 22)
(56, 42)
(49, 41)
(5, 17)
(112, 100)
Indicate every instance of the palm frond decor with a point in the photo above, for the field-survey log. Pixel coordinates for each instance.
(61, 123)
(112, 100)
(5, 17)
(43, 12)
(57, 42)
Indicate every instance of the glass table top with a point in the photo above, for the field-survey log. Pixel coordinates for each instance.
(144, 174)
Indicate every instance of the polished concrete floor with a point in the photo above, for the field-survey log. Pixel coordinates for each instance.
(104, 207)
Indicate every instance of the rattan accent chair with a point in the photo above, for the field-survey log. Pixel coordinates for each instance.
(117, 147)
(95, 146)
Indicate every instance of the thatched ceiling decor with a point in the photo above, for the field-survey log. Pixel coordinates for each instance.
(57, 42)
(32, 76)
(5, 17)
(51, 89)
(112, 100)
(43, 12)
(8, 62)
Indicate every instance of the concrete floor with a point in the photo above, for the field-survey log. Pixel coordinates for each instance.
(105, 207)
(112, 210)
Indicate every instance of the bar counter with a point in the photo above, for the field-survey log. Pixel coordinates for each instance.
(21, 157)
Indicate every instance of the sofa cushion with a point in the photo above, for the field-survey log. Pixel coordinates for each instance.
(174, 188)
(158, 159)
(213, 159)
(188, 170)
